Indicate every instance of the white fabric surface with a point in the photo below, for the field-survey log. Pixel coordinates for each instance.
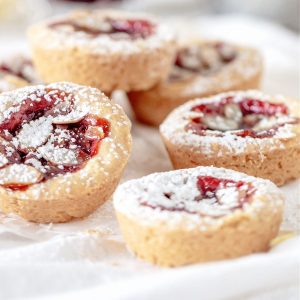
(88, 259)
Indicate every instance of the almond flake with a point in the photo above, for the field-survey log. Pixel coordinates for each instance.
(19, 174)
(34, 134)
(220, 123)
(71, 118)
(233, 111)
(59, 156)
(94, 132)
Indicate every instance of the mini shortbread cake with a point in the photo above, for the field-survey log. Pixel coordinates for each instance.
(198, 215)
(105, 49)
(246, 131)
(201, 69)
(63, 148)
(15, 72)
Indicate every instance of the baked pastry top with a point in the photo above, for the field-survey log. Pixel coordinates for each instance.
(209, 67)
(203, 59)
(102, 31)
(232, 118)
(49, 131)
(205, 196)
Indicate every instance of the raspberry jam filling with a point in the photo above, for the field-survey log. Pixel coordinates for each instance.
(44, 136)
(22, 69)
(247, 117)
(205, 60)
(117, 29)
(216, 197)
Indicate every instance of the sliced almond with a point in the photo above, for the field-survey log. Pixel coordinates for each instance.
(59, 156)
(94, 132)
(220, 123)
(34, 134)
(232, 111)
(62, 108)
(70, 118)
(94, 24)
(266, 123)
(19, 174)
(32, 159)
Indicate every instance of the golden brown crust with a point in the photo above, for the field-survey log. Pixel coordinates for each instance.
(171, 248)
(174, 238)
(278, 165)
(116, 68)
(152, 106)
(76, 195)
(106, 72)
(274, 158)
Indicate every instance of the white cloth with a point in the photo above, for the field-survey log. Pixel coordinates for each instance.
(88, 258)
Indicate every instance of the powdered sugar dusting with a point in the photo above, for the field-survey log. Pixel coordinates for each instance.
(19, 174)
(102, 43)
(173, 128)
(181, 184)
(51, 148)
(34, 134)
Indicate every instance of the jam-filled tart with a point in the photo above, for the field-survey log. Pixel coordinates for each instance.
(16, 71)
(201, 68)
(105, 49)
(197, 215)
(247, 131)
(63, 148)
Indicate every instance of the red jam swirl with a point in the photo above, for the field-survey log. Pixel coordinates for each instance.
(132, 28)
(208, 187)
(247, 106)
(82, 137)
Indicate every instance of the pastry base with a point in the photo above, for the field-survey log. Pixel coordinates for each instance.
(278, 165)
(180, 246)
(108, 72)
(61, 210)
(75, 195)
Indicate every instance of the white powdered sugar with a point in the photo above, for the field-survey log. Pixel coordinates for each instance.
(47, 141)
(72, 117)
(102, 43)
(173, 128)
(34, 134)
(178, 189)
(19, 174)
